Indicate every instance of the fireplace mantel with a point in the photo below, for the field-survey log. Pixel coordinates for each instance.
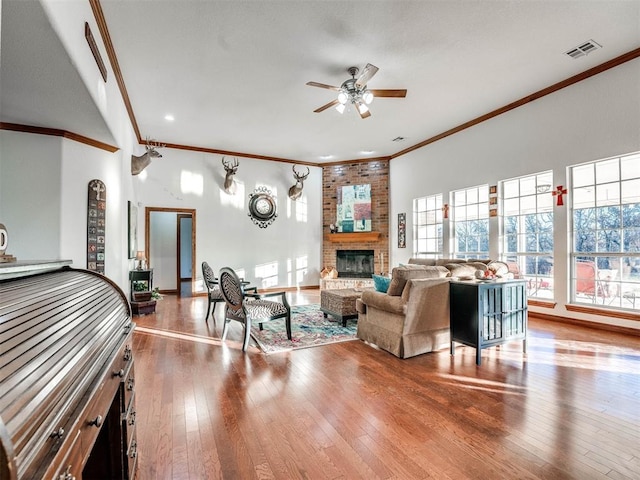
(354, 237)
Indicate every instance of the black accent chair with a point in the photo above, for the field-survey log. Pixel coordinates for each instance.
(213, 290)
(248, 308)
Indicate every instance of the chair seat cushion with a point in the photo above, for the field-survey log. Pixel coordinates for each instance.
(264, 308)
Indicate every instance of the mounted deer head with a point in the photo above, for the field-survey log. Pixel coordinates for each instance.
(295, 192)
(138, 164)
(231, 168)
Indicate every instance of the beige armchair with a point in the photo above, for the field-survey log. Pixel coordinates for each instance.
(413, 317)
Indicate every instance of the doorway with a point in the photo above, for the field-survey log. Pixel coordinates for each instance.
(170, 247)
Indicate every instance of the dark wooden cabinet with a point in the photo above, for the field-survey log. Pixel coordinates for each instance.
(485, 314)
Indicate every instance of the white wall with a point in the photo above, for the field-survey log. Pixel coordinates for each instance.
(594, 119)
(30, 192)
(45, 182)
(81, 164)
(290, 248)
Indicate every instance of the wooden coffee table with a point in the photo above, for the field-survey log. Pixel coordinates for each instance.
(340, 303)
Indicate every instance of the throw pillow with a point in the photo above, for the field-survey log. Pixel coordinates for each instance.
(381, 283)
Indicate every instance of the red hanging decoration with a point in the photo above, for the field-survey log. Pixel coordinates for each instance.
(559, 191)
(445, 210)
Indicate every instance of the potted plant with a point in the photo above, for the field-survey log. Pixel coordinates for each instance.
(140, 292)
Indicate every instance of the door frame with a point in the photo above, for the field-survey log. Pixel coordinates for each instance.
(147, 239)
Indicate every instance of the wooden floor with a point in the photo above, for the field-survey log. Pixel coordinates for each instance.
(570, 409)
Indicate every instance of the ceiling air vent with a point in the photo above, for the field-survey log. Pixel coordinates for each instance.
(398, 139)
(585, 49)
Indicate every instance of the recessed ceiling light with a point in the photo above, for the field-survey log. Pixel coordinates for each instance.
(366, 152)
(326, 157)
(169, 118)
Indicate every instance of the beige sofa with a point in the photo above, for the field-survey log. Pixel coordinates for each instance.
(412, 317)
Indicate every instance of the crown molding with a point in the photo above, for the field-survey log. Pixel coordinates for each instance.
(633, 54)
(54, 132)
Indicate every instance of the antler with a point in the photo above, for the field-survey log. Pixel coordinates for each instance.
(298, 176)
(152, 144)
(230, 166)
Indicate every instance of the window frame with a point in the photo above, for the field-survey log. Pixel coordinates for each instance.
(437, 225)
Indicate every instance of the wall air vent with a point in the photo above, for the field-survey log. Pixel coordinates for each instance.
(584, 49)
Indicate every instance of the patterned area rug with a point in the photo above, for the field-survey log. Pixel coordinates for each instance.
(309, 328)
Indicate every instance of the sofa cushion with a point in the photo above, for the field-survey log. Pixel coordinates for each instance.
(465, 269)
(400, 275)
(422, 261)
(446, 261)
(381, 283)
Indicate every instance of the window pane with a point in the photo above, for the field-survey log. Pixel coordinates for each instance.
(528, 204)
(545, 202)
(607, 171)
(510, 189)
(630, 166)
(430, 203)
(631, 215)
(427, 226)
(631, 241)
(631, 191)
(511, 206)
(527, 186)
(608, 217)
(584, 197)
(609, 241)
(608, 194)
(583, 175)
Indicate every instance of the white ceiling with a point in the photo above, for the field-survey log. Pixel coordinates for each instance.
(233, 73)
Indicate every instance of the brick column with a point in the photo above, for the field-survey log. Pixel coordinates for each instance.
(375, 173)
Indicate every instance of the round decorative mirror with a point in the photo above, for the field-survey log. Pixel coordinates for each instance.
(262, 207)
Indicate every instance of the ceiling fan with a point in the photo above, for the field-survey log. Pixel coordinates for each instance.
(354, 91)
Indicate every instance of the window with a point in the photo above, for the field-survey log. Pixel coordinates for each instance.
(605, 213)
(471, 222)
(427, 227)
(527, 231)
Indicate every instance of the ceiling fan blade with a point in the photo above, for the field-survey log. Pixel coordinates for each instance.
(368, 72)
(323, 85)
(364, 115)
(388, 93)
(324, 107)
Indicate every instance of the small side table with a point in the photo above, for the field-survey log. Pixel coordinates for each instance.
(486, 314)
(141, 301)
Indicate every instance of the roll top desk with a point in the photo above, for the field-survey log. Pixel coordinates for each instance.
(67, 384)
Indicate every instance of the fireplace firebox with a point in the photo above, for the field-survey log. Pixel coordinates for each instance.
(354, 263)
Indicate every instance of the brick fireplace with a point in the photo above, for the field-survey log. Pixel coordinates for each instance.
(375, 173)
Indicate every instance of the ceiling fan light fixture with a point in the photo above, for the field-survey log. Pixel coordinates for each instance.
(340, 108)
(343, 97)
(367, 97)
(362, 108)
